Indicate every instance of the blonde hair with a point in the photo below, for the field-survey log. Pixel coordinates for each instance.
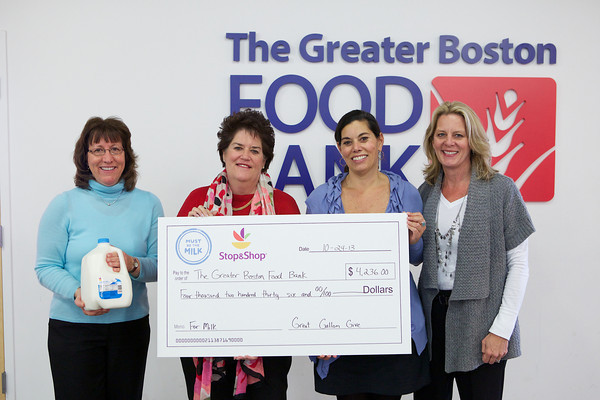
(481, 156)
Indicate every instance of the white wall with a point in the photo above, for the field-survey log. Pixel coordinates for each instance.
(164, 68)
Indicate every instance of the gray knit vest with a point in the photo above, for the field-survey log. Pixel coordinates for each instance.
(496, 220)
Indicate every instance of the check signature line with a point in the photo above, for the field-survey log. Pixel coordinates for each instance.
(344, 328)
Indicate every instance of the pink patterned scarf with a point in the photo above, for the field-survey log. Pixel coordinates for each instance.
(210, 369)
(219, 196)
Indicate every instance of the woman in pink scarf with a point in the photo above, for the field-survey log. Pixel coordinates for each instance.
(246, 142)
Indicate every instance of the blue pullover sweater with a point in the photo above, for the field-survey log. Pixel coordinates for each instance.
(71, 227)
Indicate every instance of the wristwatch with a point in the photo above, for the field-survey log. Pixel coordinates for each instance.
(136, 265)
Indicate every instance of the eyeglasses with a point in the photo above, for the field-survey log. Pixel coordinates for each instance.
(100, 151)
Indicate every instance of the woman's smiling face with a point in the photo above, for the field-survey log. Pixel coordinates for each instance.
(360, 147)
(108, 168)
(451, 143)
(244, 158)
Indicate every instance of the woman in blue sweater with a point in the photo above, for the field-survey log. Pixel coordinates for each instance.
(99, 354)
(363, 188)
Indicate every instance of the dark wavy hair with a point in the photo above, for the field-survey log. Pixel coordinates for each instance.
(356, 115)
(111, 129)
(254, 122)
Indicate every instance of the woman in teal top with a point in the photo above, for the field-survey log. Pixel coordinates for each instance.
(99, 354)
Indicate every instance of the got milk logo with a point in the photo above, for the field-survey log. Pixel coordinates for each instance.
(193, 246)
(519, 115)
(241, 239)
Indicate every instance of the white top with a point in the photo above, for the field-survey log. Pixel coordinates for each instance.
(447, 214)
(516, 260)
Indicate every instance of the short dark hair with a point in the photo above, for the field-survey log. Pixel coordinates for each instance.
(111, 129)
(255, 123)
(356, 115)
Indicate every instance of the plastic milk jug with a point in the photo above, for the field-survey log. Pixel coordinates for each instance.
(101, 287)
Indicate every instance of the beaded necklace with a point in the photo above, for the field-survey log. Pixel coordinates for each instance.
(443, 256)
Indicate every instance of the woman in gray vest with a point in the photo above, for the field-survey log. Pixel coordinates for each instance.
(475, 266)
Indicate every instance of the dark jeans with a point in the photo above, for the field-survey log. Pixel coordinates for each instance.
(98, 361)
(483, 383)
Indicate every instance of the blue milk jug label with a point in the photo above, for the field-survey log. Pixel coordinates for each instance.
(110, 289)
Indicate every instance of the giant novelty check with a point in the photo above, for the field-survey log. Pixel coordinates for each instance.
(283, 285)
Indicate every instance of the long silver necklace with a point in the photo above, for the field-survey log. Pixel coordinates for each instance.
(443, 256)
(104, 201)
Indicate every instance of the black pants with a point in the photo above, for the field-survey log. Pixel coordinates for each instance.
(98, 361)
(483, 383)
(367, 396)
(274, 386)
